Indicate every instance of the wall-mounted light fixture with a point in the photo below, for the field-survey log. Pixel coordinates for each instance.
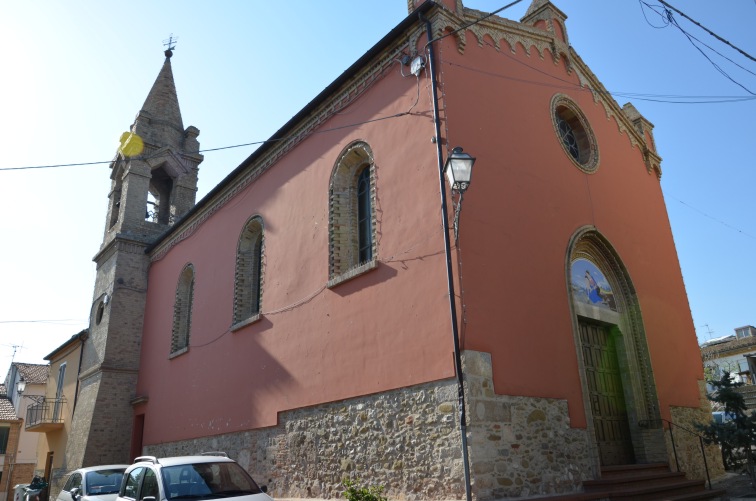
(458, 170)
(20, 386)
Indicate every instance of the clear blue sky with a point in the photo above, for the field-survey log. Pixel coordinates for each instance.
(75, 74)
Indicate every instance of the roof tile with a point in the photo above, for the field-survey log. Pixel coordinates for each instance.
(33, 373)
(7, 412)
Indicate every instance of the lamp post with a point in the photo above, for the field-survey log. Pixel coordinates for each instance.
(456, 163)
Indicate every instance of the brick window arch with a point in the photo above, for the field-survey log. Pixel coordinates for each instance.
(351, 215)
(182, 311)
(249, 267)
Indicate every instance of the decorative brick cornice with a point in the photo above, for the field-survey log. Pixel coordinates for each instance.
(613, 110)
(513, 33)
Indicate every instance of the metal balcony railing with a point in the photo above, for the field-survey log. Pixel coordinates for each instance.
(48, 411)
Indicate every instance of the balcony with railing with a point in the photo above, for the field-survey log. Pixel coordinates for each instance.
(45, 415)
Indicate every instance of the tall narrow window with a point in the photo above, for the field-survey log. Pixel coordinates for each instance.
(352, 218)
(4, 433)
(182, 310)
(364, 216)
(59, 392)
(115, 193)
(249, 266)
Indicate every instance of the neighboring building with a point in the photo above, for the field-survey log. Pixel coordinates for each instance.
(300, 316)
(25, 384)
(734, 354)
(748, 331)
(51, 416)
(10, 429)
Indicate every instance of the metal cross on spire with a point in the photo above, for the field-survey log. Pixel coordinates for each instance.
(170, 44)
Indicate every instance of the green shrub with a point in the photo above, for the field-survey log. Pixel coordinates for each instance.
(736, 435)
(355, 492)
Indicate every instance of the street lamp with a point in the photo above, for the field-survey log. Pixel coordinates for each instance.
(20, 386)
(458, 170)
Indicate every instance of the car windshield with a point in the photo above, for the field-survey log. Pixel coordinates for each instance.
(104, 481)
(207, 481)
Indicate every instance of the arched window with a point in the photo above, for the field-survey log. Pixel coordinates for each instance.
(182, 311)
(248, 278)
(352, 219)
(161, 187)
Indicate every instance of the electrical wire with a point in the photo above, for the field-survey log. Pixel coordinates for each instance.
(567, 85)
(707, 30)
(723, 223)
(253, 143)
(665, 23)
(713, 49)
(61, 321)
(668, 19)
(659, 98)
(716, 66)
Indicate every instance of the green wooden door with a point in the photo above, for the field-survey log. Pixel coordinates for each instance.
(606, 395)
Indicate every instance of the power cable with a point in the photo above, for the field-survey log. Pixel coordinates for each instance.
(253, 143)
(668, 19)
(723, 223)
(707, 30)
(665, 23)
(673, 21)
(659, 98)
(62, 321)
(713, 49)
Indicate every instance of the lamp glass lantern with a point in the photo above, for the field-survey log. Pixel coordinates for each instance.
(21, 386)
(458, 169)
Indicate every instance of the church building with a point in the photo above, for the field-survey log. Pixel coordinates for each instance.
(334, 308)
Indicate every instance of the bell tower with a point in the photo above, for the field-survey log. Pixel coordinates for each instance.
(153, 184)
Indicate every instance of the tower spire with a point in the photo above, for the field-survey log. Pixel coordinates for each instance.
(151, 187)
(162, 105)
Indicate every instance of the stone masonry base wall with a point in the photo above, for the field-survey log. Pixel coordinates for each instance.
(406, 440)
(521, 446)
(688, 445)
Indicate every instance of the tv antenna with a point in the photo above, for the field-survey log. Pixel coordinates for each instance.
(15, 347)
(708, 330)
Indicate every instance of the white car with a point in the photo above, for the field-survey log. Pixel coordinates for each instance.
(95, 483)
(204, 477)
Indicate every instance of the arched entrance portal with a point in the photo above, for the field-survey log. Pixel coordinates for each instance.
(619, 393)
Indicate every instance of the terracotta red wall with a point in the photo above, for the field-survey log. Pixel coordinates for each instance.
(390, 327)
(526, 201)
(386, 329)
